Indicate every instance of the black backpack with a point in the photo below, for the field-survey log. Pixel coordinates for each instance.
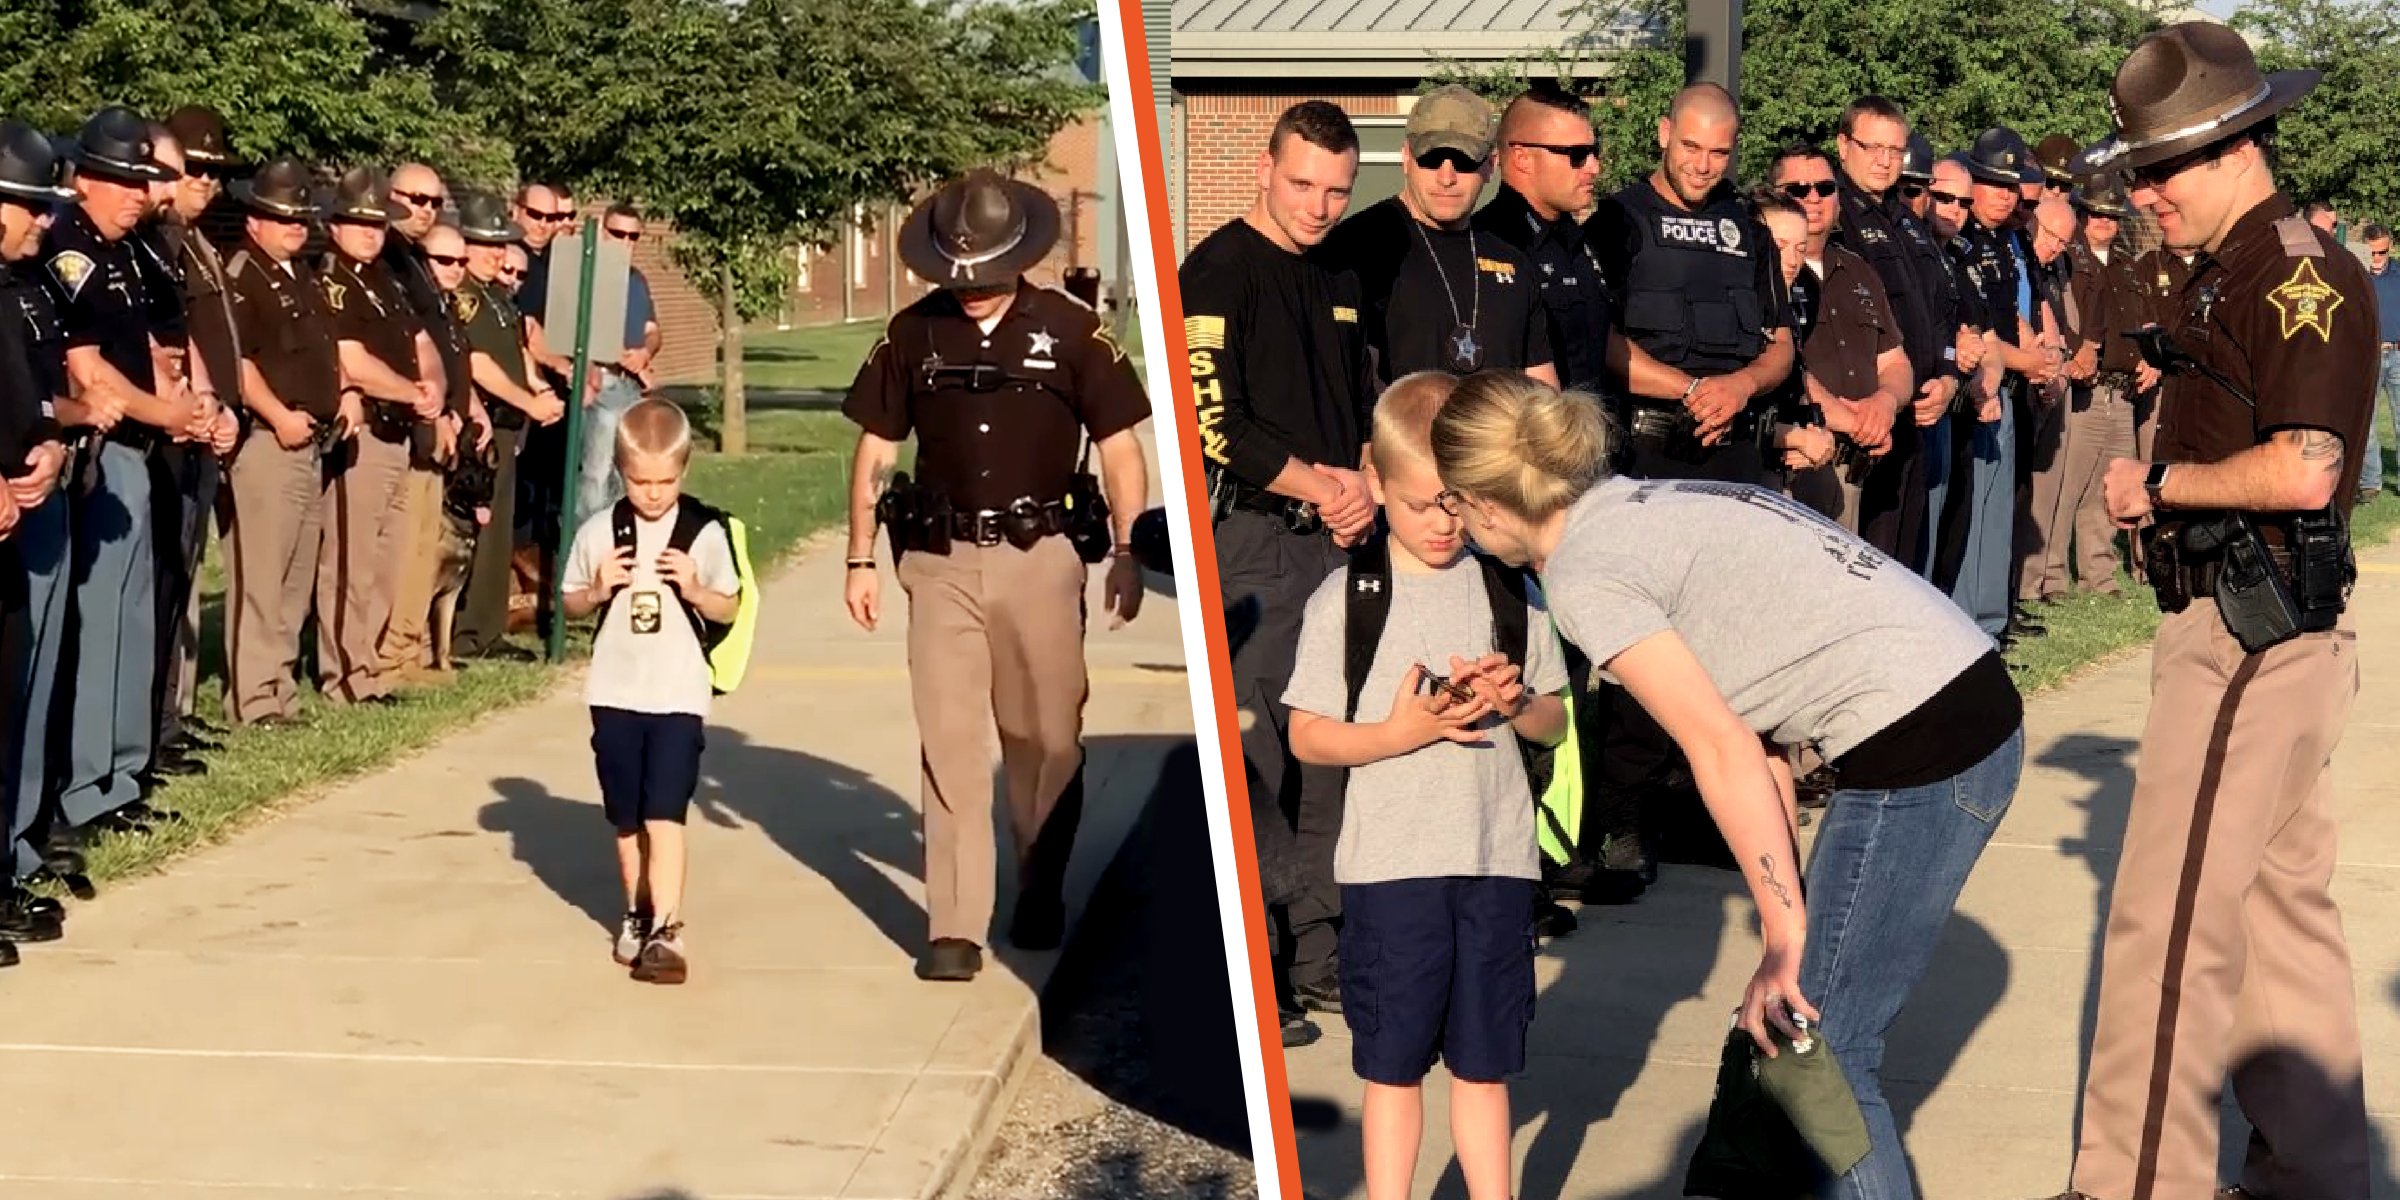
(691, 516)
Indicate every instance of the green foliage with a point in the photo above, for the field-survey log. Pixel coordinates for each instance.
(2337, 144)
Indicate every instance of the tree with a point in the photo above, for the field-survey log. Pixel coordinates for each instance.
(293, 77)
(2336, 145)
(759, 126)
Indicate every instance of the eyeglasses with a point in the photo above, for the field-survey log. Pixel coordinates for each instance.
(447, 260)
(1432, 160)
(1576, 156)
(1910, 191)
(416, 199)
(511, 273)
(625, 235)
(1801, 191)
(1872, 150)
(1947, 199)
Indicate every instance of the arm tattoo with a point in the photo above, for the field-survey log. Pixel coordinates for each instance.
(2319, 447)
(1766, 863)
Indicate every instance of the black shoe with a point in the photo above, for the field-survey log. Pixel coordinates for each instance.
(39, 907)
(1553, 920)
(2021, 624)
(77, 884)
(8, 954)
(1614, 887)
(952, 960)
(1323, 995)
(1629, 852)
(174, 764)
(1040, 923)
(17, 927)
(1298, 1030)
(189, 743)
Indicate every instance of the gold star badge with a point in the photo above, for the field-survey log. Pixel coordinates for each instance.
(2305, 302)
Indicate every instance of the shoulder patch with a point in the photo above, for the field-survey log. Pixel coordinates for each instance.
(2305, 302)
(2299, 238)
(1101, 334)
(468, 304)
(333, 295)
(72, 269)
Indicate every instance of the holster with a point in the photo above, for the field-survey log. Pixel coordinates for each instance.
(1087, 518)
(1675, 432)
(2266, 596)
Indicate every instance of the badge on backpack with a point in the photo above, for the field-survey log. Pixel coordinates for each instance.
(646, 609)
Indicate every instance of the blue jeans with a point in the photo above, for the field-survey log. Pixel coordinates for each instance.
(2370, 474)
(598, 484)
(1886, 872)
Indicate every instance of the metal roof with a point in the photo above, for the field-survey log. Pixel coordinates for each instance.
(1373, 38)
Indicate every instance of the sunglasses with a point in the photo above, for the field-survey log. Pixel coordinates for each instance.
(1947, 198)
(447, 260)
(1910, 191)
(1576, 156)
(625, 235)
(1432, 160)
(416, 199)
(1801, 191)
(552, 218)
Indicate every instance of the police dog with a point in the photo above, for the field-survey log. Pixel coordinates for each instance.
(466, 507)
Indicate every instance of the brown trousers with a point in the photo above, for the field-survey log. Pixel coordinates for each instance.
(2224, 956)
(2042, 458)
(995, 641)
(2102, 431)
(355, 573)
(415, 549)
(271, 547)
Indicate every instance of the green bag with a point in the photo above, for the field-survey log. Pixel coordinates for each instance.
(1778, 1127)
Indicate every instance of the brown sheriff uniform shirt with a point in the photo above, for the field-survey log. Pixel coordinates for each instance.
(2110, 301)
(369, 307)
(1053, 369)
(2286, 313)
(280, 318)
(1852, 324)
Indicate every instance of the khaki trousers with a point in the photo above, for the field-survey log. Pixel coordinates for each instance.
(2037, 524)
(995, 642)
(272, 537)
(2224, 957)
(2102, 431)
(355, 573)
(415, 551)
(1826, 490)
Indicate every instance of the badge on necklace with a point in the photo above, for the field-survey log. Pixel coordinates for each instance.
(1466, 354)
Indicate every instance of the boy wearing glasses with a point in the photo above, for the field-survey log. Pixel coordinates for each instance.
(1437, 858)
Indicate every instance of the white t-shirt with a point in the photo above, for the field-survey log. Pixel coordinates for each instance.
(646, 657)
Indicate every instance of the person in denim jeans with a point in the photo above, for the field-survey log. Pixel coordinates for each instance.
(622, 383)
(2378, 240)
(1661, 583)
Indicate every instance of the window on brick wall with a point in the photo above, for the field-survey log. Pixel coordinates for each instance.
(858, 246)
(1380, 144)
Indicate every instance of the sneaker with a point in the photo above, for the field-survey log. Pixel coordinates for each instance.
(662, 960)
(1298, 1030)
(1319, 995)
(633, 929)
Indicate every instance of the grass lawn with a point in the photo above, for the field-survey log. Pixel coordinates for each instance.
(825, 358)
(794, 484)
(2086, 630)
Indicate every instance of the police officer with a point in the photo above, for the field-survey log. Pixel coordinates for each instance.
(97, 284)
(1281, 383)
(34, 550)
(2224, 959)
(516, 398)
(1439, 296)
(2004, 267)
(1702, 341)
(999, 380)
(383, 345)
(2099, 422)
(299, 415)
(1949, 197)
(185, 481)
(1549, 162)
(1876, 224)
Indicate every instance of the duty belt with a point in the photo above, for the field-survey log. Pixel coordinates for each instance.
(2121, 380)
(988, 526)
(1298, 516)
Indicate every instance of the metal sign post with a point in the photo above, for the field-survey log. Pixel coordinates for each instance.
(1712, 44)
(583, 253)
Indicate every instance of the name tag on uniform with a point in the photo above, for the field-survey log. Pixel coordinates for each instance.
(1873, 236)
(1040, 364)
(1345, 313)
(1505, 272)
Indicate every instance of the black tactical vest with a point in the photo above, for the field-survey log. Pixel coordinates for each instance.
(1691, 293)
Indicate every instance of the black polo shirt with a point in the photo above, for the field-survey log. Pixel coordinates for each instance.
(1001, 418)
(1567, 276)
(161, 268)
(97, 288)
(1996, 279)
(208, 312)
(33, 367)
(1277, 356)
(1917, 281)
(1427, 290)
(279, 314)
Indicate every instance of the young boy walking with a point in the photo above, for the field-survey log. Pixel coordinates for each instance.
(1437, 857)
(649, 685)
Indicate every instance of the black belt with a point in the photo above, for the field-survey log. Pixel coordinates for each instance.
(2122, 380)
(1299, 516)
(134, 435)
(987, 526)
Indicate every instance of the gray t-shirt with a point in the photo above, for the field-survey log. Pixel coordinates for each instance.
(1812, 635)
(1444, 809)
(646, 658)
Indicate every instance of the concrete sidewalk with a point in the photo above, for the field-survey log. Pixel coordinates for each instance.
(1984, 1066)
(404, 988)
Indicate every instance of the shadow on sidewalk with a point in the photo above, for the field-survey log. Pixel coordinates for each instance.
(2107, 763)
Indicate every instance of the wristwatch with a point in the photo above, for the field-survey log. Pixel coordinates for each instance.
(2154, 481)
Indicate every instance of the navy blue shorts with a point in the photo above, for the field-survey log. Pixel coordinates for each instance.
(1438, 969)
(649, 764)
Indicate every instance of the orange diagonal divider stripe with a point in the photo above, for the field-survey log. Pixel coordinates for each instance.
(1284, 1182)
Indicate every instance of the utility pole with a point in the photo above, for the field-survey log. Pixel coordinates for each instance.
(1712, 44)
